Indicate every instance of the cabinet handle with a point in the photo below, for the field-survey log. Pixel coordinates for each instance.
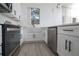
(65, 44)
(14, 12)
(69, 46)
(68, 30)
(19, 17)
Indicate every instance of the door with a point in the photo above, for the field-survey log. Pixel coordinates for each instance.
(62, 45)
(11, 38)
(38, 34)
(74, 46)
(68, 45)
(16, 10)
(67, 40)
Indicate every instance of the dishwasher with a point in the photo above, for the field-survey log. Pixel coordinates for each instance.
(52, 39)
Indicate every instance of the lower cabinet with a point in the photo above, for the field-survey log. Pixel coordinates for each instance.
(61, 45)
(68, 45)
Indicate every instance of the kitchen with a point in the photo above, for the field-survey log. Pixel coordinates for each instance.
(39, 29)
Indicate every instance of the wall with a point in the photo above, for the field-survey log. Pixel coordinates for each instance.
(48, 13)
(51, 16)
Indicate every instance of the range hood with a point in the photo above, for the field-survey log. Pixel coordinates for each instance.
(5, 7)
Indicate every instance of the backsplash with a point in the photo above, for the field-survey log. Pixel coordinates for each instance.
(3, 19)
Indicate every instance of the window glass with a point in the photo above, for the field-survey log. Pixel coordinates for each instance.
(35, 15)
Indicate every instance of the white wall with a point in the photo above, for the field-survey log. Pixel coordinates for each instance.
(49, 14)
(70, 11)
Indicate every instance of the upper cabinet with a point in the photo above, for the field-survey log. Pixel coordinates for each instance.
(16, 10)
(15, 13)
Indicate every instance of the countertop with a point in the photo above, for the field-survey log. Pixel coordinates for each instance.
(62, 25)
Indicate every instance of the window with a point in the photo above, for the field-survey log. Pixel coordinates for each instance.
(35, 15)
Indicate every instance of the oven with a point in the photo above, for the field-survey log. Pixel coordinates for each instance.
(10, 38)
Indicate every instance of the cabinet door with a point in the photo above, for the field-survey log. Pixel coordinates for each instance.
(61, 45)
(74, 47)
(16, 10)
(69, 48)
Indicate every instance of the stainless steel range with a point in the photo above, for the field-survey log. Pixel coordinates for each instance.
(9, 39)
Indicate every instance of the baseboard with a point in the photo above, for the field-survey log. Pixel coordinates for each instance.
(40, 41)
(29, 42)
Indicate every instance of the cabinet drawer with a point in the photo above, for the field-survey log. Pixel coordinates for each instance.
(71, 30)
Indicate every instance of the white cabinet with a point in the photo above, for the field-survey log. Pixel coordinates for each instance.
(70, 30)
(16, 10)
(34, 34)
(68, 44)
(61, 45)
(74, 46)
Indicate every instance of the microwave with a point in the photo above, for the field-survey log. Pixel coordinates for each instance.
(5, 7)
